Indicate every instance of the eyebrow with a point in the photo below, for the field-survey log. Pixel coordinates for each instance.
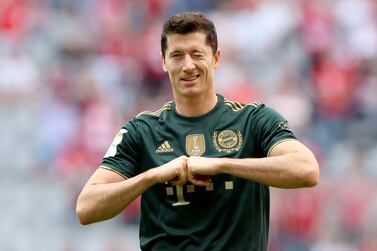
(198, 51)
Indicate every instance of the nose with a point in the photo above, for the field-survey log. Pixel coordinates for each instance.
(188, 64)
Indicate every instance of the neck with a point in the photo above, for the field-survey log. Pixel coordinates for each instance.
(195, 106)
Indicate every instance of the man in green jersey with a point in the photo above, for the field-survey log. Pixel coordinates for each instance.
(202, 164)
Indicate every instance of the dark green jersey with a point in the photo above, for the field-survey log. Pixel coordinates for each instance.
(229, 214)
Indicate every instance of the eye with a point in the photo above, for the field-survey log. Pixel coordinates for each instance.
(198, 55)
(176, 55)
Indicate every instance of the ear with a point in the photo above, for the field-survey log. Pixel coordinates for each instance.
(163, 62)
(217, 58)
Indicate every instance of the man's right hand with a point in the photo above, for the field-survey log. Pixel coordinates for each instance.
(175, 171)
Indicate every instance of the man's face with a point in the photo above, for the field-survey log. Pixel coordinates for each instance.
(190, 64)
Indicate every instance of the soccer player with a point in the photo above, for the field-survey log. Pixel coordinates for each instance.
(202, 163)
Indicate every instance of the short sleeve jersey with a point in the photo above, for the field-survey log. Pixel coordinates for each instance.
(229, 214)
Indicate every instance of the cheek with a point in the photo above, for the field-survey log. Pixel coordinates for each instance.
(172, 71)
(207, 69)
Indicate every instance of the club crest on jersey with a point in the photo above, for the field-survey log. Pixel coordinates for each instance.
(195, 144)
(227, 141)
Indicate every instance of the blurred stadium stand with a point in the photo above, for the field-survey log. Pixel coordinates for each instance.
(72, 72)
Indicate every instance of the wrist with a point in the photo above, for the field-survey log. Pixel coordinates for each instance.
(151, 178)
(224, 164)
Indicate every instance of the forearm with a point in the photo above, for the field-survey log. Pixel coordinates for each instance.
(284, 171)
(98, 202)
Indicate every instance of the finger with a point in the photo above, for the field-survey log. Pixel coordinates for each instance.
(178, 181)
(200, 180)
(180, 178)
(190, 173)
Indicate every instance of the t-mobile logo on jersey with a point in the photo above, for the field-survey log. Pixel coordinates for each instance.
(181, 201)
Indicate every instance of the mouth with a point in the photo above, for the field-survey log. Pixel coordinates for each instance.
(190, 79)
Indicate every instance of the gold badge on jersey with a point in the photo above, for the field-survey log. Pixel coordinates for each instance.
(195, 144)
(227, 141)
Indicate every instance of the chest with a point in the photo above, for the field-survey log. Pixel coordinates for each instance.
(166, 142)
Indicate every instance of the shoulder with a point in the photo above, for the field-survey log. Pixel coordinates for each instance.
(151, 116)
(146, 119)
(235, 106)
(144, 122)
(256, 111)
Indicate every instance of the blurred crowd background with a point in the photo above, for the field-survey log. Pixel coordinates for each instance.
(72, 72)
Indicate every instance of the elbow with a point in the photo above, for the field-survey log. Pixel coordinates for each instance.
(89, 213)
(311, 180)
(311, 176)
(82, 214)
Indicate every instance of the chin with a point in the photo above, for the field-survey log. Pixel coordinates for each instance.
(189, 91)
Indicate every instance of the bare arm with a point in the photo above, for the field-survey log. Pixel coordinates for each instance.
(107, 193)
(289, 165)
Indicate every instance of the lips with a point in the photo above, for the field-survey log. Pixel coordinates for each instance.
(190, 78)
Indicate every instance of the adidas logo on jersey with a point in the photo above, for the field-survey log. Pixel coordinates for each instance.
(164, 148)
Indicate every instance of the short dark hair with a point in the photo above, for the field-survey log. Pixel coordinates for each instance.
(187, 22)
